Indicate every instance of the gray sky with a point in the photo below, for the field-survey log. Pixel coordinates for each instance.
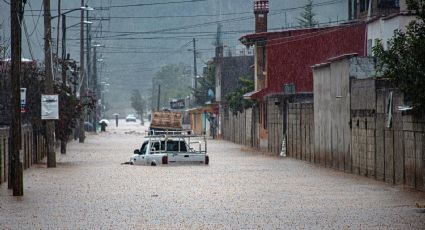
(165, 32)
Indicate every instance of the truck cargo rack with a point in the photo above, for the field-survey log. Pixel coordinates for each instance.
(186, 136)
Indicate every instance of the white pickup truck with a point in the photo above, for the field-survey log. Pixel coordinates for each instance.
(169, 149)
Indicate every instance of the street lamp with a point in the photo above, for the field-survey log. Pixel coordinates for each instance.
(85, 8)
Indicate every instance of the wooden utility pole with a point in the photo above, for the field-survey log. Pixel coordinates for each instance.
(81, 131)
(94, 88)
(50, 125)
(195, 68)
(16, 15)
(64, 59)
(159, 98)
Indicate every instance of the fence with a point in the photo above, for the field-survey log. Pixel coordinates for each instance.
(33, 149)
(300, 134)
(238, 127)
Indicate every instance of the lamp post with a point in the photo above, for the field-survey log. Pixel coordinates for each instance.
(82, 73)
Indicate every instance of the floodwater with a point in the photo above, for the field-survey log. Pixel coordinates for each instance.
(240, 189)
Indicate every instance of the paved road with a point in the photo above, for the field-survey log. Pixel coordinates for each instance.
(240, 189)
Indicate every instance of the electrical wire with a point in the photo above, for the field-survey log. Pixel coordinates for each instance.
(157, 3)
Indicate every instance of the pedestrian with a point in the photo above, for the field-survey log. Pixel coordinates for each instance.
(116, 120)
(103, 126)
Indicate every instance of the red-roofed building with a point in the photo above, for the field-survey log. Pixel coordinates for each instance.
(290, 54)
(283, 59)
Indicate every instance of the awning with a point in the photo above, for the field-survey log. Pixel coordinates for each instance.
(254, 94)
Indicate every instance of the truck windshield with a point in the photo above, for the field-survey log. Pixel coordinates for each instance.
(143, 148)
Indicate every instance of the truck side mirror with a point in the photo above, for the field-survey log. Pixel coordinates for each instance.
(136, 151)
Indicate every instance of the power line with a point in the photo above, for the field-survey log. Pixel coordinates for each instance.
(154, 4)
(218, 21)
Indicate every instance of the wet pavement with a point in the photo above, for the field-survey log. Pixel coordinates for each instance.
(240, 189)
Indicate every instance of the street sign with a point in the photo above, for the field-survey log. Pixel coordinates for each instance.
(177, 104)
(23, 99)
(49, 107)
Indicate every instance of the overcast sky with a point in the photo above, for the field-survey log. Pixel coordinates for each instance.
(163, 32)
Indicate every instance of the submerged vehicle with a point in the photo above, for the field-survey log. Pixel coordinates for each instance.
(169, 147)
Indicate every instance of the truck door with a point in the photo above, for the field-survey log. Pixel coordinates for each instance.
(141, 158)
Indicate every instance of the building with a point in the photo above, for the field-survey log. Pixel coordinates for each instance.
(283, 59)
(366, 9)
(383, 28)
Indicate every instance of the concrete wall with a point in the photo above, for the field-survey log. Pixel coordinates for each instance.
(332, 112)
(392, 153)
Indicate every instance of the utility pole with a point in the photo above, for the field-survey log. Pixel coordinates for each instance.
(50, 125)
(159, 98)
(88, 75)
(57, 29)
(64, 64)
(94, 88)
(16, 15)
(195, 68)
(82, 135)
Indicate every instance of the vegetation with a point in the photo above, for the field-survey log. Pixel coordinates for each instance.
(69, 110)
(3, 47)
(404, 60)
(206, 86)
(138, 103)
(235, 99)
(175, 82)
(307, 19)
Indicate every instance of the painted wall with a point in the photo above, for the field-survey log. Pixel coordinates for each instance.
(290, 58)
(384, 28)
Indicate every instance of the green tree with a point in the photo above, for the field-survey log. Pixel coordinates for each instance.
(307, 19)
(69, 112)
(138, 103)
(235, 99)
(404, 60)
(206, 84)
(175, 81)
(3, 47)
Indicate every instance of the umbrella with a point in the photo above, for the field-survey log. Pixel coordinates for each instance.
(104, 120)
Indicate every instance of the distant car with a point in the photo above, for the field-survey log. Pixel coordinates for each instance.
(130, 118)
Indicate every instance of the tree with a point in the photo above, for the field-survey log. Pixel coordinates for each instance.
(138, 104)
(206, 86)
(307, 19)
(235, 99)
(175, 81)
(3, 46)
(404, 60)
(69, 112)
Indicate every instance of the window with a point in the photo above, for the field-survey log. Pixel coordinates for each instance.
(364, 5)
(289, 88)
(144, 148)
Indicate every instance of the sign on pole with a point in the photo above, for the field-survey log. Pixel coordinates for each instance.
(23, 99)
(49, 107)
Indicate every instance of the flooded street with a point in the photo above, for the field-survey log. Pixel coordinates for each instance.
(240, 189)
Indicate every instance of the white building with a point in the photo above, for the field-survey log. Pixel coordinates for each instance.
(383, 28)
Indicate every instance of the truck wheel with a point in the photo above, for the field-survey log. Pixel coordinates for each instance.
(153, 164)
(207, 160)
